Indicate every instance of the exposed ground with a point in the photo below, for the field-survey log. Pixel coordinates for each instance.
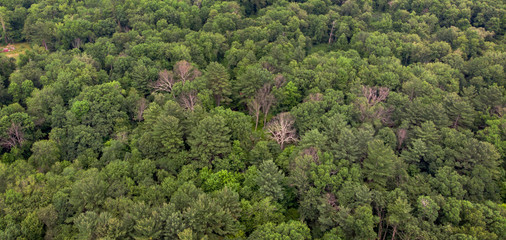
(20, 48)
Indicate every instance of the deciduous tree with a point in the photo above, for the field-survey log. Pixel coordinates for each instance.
(282, 129)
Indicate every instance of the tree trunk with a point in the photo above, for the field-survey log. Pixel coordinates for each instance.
(332, 31)
(45, 45)
(218, 100)
(393, 234)
(380, 224)
(385, 234)
(456, 122)
(4, 29)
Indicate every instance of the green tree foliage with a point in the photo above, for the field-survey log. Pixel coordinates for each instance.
(270, 180)
(289, 230)
(218, 80)
(210, 139)
(379, 164)
(361, 224)
(44, 154)
(252, 119)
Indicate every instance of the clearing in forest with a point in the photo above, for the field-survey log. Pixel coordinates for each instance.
(14, 49)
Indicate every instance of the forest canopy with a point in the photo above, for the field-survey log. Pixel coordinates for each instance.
(253, 119)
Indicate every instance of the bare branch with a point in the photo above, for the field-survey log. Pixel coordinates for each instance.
(189, 99)
(282, 130)
(185, 71)
(15, 136)
(314, 97)
(254, 107)
(401, 136)
(375, 95)
(332, 31)
(77, 43)
(313, 152)
(332, 201)
(279, 81)
(165, 82)
(269, 67)
(266, 99)
(371, 109)
(141, 106)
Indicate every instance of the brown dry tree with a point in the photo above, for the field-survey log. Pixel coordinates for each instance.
(282, 130)
(267, 99)
(189, 99)
(370, 108)
(402, 133)
(254, 108)
(375, 95)
(142, 104)
(14, 136)
(185, 72)
(165, 82)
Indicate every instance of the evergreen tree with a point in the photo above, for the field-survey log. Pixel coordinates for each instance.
(218, 80)
(379, 164)
(210, 139)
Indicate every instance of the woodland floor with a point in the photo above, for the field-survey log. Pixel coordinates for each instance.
(20, 48)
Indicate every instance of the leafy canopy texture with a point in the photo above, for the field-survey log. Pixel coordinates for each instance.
(252, 119)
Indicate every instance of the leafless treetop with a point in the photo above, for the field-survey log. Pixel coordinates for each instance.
(185, 71)
(15, 136)
(254, 107)
(189, 99)
(314, 97)
(279, 80)
(375, 95)
(282, 130)
(165, 81)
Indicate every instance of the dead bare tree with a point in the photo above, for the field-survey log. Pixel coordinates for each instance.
(121, 136)
(15, 136)
(313, 153)
(185, 71)
(401, 136)
(76, 43)
(198, 3)
(332, 201)
(375, 95)
(45, 44)
(254, 107)
(332, 31)
(282, 130)
(314, 97)
(374, 112)
(165, 82)
(4, 31)
(269, 67)
(370, 108)
(141, 106)
(189, 99)
(267, 99)
(279, 81)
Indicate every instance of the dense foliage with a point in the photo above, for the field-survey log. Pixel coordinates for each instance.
(249, 119)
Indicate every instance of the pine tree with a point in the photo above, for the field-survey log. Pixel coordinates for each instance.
(460, 112)
(218, 81)
(270, 180)
(167, 131)
(210, 139)
(379, 164)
